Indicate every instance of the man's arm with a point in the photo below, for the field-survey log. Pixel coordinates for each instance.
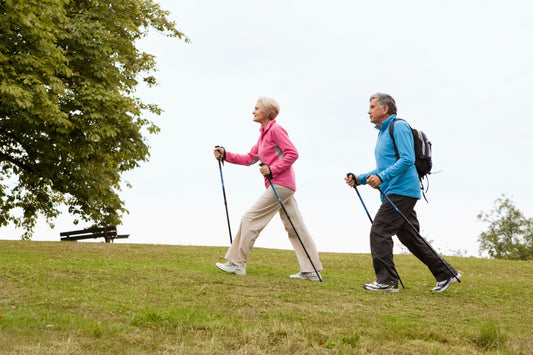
(406, 151)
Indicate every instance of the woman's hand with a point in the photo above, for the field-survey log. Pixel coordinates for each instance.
(219, 153)
(265, 170)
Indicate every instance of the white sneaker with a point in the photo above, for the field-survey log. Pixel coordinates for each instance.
(231, 268)
(443, 285)
(310, 276)
(377, 287)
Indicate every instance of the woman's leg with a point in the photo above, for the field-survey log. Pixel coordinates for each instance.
(297, 220)
(252, 223)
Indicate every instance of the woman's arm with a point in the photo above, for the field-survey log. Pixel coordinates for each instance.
(290, 154)
(244, 159)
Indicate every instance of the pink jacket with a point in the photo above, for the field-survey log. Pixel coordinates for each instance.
(275, 150)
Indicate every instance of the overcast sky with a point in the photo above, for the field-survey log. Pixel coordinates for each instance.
(459, 70)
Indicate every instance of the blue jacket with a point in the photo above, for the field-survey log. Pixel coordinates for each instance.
(398, 177)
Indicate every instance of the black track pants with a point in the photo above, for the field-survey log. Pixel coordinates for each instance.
(387, 223)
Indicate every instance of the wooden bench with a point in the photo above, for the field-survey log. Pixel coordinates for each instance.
(108, 233)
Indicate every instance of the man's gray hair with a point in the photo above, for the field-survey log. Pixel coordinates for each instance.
(385, 100)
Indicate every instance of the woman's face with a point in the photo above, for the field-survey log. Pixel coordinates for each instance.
(259, 115)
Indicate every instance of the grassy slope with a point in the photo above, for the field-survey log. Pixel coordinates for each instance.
(122, 298)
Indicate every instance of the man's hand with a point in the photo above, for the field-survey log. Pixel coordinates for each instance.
(351, 180)
(374, 181)
(265, 170)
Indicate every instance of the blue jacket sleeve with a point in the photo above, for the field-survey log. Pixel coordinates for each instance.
(362, 177)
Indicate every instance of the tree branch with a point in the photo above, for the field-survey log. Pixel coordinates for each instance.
(21, 165)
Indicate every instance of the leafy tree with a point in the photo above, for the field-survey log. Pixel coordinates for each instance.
(510, 234)
(70, 123)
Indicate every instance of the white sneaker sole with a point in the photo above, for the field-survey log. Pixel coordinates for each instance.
(381, 290)
(299, 276)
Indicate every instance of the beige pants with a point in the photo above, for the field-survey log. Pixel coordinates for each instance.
(256, 219)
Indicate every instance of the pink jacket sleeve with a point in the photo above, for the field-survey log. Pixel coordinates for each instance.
(243, 159)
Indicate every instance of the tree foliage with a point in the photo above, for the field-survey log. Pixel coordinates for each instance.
(70, 123)
(510, 234)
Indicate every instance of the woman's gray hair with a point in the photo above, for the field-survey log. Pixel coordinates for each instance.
(385, 100)
(269, 106)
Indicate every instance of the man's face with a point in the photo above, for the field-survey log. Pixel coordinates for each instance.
(377, 114)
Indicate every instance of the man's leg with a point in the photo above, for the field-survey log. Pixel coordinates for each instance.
(386, 223)
(421, 250)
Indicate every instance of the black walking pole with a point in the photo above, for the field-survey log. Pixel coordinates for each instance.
(360, 198)
(419, 235)
(370, 218)
(220, 162)
(284, 210)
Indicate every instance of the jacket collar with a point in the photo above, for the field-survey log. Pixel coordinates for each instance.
(269, 125)
(385, 123)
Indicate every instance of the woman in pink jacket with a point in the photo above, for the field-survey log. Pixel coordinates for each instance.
(277, 152)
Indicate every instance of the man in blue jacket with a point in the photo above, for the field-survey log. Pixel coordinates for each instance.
(399, 180)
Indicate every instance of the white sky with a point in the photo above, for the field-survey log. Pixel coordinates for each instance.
(459, 70)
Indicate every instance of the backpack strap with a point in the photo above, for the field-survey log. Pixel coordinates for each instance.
(391, 133)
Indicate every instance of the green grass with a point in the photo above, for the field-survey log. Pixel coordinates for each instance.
(76, 298)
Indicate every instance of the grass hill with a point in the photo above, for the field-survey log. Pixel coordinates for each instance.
(86, 298)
